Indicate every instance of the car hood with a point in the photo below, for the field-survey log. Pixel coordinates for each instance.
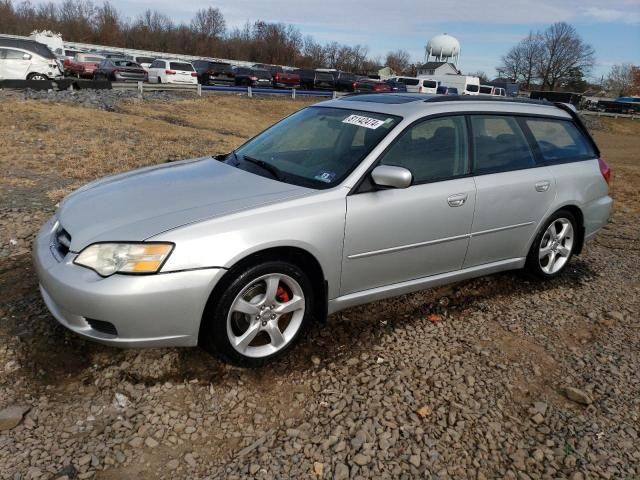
(137, 205)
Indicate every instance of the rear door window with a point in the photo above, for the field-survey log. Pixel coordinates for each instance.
(499, 145)
(429, 83)
(559, 140)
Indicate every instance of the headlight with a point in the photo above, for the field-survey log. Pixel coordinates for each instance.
(134, 258)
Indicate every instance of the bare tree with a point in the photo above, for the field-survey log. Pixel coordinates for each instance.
(484, 78)
(398, 61)
(564, 53)
(619, 81)
(521, 63)
(209, 22)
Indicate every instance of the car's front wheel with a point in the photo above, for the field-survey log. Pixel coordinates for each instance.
(553, 246)
(259, 314)
(37, 76)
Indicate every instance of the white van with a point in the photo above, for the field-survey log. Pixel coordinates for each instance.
(417, 85)
(466, 84)
(27, 60)
(493, 91)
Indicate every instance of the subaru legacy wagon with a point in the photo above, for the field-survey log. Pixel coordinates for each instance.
(345, 202)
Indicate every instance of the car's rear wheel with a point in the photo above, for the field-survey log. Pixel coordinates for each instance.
(553, 246)
(36, 76)
(259, 315)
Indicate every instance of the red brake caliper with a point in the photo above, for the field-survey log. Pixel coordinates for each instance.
(282, 295)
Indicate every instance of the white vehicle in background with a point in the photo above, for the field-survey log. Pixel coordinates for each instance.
(466, 84)
(27, 60)
(164, 70)
(51, 40)
(418, 85)
(493, 91)
(144, 61)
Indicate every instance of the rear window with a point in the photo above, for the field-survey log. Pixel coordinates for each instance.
(429, 83)
(472, 88)
(324, 76)
(559, 140)
(261, 73)
(486, 90)
(409, 81)
(92, 59)
(144, 59)
(181, 66)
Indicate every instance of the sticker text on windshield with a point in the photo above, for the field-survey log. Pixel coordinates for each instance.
(361, 121)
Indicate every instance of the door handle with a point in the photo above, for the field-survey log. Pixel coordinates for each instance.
(543, 186)
(457, 200)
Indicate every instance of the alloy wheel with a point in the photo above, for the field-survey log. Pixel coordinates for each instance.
(266, 315)
(556, 246)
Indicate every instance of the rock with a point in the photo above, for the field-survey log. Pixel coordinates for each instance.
(361, 459)
(172, 464)
(318, 469)
(414, 460)
(537, 418)
(136, 442)
(341, 472)
(315, 359)
(253, 468)
(540, 407)
(615, 315)
(84, 460)
(151, 442)
(578, 396)
(190, 460)
(11, 416)
(538, 455)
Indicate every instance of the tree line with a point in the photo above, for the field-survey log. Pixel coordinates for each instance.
(205, 35)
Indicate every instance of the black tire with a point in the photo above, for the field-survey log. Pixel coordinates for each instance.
(214, 337)
(533, 264)
(37, 76)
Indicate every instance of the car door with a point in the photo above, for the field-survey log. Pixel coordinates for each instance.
(513, 192)
(17, 63)
(395, 235)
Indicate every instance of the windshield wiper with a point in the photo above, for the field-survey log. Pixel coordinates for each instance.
(273, 170)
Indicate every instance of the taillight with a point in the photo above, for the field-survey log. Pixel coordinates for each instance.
(277, 77)
(194, 74)
(116, 71)
(254, 79)
(170, 72)
(605, 170)
(210, 72)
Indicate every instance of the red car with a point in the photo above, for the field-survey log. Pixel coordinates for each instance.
(370, 85)
(82, 65)
(280, 78)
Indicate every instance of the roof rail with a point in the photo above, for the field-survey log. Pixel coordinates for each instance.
(479, 98)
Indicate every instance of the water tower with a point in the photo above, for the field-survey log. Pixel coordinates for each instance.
(443, 48)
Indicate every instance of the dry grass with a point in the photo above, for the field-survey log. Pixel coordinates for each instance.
(83, 143)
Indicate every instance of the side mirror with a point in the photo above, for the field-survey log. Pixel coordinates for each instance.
(26, 56)
(390, 176)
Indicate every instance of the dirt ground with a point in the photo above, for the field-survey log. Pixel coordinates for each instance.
(467, 381)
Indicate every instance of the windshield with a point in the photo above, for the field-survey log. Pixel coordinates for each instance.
(316, 147)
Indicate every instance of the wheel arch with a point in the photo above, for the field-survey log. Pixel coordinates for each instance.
(576, 211)
(296, 255)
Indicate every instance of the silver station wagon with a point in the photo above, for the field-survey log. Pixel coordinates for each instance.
(345, 202)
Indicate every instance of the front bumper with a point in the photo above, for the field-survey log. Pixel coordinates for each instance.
(164, 309)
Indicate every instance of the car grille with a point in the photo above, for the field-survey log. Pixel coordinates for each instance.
(103, 327)
(61, 243)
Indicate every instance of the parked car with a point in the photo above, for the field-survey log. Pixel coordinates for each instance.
(83, 65)
(418, 85)
(144, 61)
(396, 86)
(27, 60)
(344, 81)
(172, 71)
(369, 85)
(444, 90)
(210, 73)
(281, 78)
(119, 70)
(252, 77)
(342, 203)
(315, 80)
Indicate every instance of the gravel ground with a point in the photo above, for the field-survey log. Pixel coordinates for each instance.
(499, 377)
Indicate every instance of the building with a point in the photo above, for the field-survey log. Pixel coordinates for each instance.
(438, 68)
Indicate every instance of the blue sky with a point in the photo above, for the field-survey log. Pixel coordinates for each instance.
(486, 29)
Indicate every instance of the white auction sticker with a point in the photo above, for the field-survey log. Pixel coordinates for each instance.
(361, 121)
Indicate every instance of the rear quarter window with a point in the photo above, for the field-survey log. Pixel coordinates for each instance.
(181, 66)
(559, 140)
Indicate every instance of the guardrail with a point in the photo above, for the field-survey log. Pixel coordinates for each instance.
(198, 89)
(632, 116)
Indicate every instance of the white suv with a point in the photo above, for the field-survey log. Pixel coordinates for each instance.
(27, 60)
(172, 71)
